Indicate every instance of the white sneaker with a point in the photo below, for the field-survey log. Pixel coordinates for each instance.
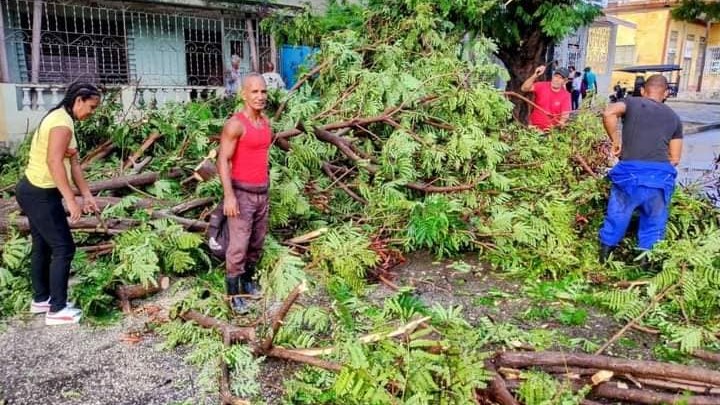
(65, 316)
(44, 306)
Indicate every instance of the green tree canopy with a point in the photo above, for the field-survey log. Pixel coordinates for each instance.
(697, 9)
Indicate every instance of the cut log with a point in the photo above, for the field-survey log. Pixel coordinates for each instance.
(10, 205)
(129, 292)
(498, 390)
(680, 387)
(149, 141)
(191, 205)
(98, 153)
(86, 224)
(299, 240)
(135, 180)
(300, 358)
(618, 365)
(231, 333)
(611, 391)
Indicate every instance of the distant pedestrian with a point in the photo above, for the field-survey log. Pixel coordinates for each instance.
(591, 81)
(551, 98)
(644, 179)
(273, 80)
(53, 168)
(233, 76)
(571, 76)
(576, 87)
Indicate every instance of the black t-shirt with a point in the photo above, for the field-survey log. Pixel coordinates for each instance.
(648, 127)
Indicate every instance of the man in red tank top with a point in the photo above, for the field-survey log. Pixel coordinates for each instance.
(243, 169)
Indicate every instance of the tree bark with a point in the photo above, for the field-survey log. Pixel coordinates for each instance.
(143, 179)
(129, 292)
(86, 224)
(521, 61)
(617, 365)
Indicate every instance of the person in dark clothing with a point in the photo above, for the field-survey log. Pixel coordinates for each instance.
(242, 164)
(571, 76)
(644, 178)
(575, 94)
(53, 166)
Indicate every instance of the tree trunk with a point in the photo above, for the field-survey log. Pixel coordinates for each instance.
(520, 62)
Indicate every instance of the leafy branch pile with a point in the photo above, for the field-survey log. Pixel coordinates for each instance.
(393, 139)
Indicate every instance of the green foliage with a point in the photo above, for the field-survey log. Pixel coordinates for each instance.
(539, 388)
(280, 269)
(691, 10)
(142, 253)
(345, 252)
(436, 224)
(14, 282)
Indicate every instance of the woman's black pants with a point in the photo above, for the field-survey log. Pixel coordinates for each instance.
(52, 244)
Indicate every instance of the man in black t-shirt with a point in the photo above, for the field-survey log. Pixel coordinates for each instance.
(644, 179)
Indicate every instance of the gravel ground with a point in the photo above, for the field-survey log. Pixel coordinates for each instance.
(81, 364)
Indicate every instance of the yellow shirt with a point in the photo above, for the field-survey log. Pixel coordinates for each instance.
(38, 171)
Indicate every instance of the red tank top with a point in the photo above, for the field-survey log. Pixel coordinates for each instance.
(250, 159)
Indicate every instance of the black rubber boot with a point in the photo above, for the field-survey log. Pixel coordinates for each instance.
(248, 284)
(233, 289)
(605, 252)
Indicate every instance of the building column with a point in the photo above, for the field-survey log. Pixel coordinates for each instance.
(4, 72)
(36, 27)
(273, 53)
(250, 31)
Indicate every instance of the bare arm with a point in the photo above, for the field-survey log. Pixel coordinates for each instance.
(58, 142)
(89, 204)
(527, 85)
(675, 151)
(232, 131)
(564, 119)
(78, 177)
(611, 116)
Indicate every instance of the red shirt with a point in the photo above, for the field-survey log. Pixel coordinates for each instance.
(250, 159)
(553, 102)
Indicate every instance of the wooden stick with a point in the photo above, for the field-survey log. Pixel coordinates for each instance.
(298, 240)
(371, 338)
(286, 354)
(280, 315)
(632, 322)
(154, 136)
(232, 333)
(297, 85)
(343, 186)
(583, 163)
(191, 205)
(675, 386)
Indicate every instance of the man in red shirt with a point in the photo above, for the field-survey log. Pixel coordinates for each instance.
(243, 169)
(552, 99)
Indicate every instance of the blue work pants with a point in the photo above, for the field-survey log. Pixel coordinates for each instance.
(653, 209)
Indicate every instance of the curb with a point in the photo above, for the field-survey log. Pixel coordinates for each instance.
(702, 128)
(691, 101)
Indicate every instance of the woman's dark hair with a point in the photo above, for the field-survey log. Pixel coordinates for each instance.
(75, 90)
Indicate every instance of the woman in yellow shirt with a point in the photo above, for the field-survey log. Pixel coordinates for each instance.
(52, 169)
